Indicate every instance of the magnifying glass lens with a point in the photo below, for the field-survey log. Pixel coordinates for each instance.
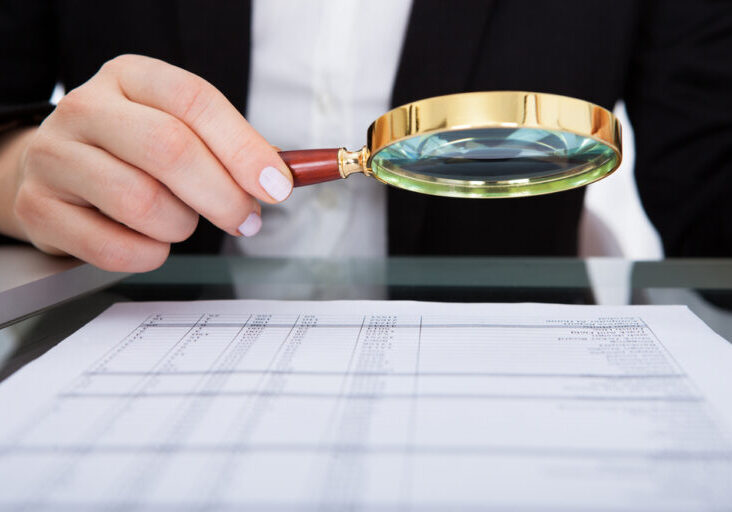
(493, 162)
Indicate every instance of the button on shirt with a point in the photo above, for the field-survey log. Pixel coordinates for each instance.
(321, 72)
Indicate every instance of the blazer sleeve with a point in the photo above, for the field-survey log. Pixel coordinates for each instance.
(679, 100)
(28, 52)
(28, 63)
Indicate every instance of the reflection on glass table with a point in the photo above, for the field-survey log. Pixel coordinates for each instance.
(704, 285)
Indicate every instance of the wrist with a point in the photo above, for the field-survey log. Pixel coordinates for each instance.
(13, 144)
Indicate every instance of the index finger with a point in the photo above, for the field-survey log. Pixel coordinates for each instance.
(250, 159)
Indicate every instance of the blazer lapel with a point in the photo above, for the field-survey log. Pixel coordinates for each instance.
(438, 57)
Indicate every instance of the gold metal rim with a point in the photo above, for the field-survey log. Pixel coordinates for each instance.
(495, 109)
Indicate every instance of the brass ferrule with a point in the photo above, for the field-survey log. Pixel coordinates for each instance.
(350, 162)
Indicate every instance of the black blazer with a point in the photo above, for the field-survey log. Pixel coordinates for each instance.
(670, 60)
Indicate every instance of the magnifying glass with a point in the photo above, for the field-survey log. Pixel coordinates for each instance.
(477, 145)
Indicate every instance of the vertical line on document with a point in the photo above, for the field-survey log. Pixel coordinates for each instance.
(353, 351)
(279, 349)
(419, 349)
(153, 370)
(113, 347)
(228, 345)
(679, 368)
(342, 391)
(350, 361)
(331, 425)
(408, 477)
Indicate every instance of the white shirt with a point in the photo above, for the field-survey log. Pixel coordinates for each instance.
(321, 72)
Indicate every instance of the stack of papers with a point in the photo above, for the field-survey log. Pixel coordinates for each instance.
(360, 405)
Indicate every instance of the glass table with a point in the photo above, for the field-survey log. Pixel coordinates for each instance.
(704, 285)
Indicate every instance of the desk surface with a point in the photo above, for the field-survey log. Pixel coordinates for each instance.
(43, 310)
(22, 265)
(31, 281)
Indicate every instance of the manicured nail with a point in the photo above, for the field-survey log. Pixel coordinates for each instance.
(275, 183)
(252, 225)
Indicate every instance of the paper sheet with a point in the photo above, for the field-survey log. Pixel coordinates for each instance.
(373, 406)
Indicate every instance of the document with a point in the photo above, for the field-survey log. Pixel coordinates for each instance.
(358, 405)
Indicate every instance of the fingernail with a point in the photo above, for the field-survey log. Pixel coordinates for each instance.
(252, 225)
(275, 183)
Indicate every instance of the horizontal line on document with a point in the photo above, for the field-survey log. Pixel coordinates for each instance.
(379, 396)
(407, 449)
(189, 325)
(122, 373)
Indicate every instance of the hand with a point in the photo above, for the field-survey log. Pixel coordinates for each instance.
(127, 162)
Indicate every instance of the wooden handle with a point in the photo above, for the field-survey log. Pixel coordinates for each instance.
(310, 166)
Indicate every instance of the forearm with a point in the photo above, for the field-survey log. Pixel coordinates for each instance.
(12, 145)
